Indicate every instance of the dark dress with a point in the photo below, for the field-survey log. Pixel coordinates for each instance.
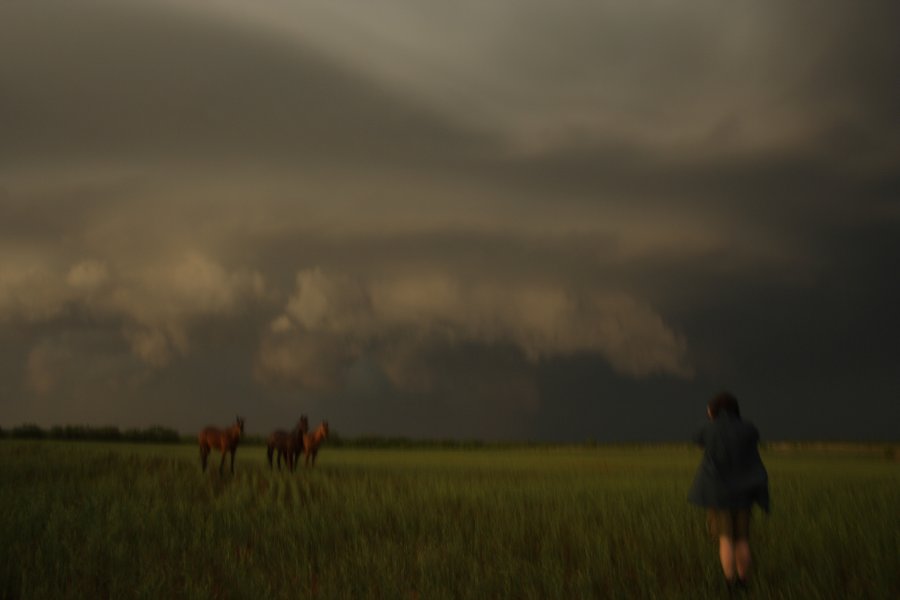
(731, 474)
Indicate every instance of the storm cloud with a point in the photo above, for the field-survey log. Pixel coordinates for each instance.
(498, 220)
(399, 319)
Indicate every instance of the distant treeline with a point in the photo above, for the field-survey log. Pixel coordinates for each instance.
(106, 433)
(158, 433)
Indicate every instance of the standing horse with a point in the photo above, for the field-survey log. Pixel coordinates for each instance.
(311, 442)
(288, 445)
(297, 441)
(223, 441)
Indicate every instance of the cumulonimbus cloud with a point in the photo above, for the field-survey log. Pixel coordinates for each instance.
(332, 320)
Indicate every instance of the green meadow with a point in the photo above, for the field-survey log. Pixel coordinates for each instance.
(94, 520)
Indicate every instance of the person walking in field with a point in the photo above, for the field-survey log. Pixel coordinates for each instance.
(731, 478)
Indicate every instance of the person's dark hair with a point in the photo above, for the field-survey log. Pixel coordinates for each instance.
(723, 401)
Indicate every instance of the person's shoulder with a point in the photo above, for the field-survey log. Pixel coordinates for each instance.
(751, 429)
(750, 425)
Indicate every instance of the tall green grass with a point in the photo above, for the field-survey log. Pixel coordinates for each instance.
(120, 521)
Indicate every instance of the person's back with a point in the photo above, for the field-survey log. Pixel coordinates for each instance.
(731, 474)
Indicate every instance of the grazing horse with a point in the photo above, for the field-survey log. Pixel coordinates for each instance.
(223, 441)
(311, 442)
(288, 445)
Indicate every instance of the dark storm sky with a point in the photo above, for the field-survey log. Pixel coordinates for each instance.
(503, 220)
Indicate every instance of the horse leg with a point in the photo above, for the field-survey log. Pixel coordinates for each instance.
(222, 462)
(314, 454)
(233, 450)
(269, 455)
(203, 454)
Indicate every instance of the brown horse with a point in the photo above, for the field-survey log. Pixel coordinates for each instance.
(288, 445)
(223, 441)
(311, 442)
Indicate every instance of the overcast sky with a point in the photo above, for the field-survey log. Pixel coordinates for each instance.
(514, 219)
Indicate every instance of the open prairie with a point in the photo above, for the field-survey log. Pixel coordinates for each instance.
(100, 520)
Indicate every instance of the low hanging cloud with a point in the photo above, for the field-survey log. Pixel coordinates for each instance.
(43, 367)
(331, 321)
(160, 302)
(154, 304)
(30, 289)
(88, 275)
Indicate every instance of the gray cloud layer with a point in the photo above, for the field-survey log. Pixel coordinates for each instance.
(409, 214)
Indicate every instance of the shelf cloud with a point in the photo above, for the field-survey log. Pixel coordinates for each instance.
(412, 213)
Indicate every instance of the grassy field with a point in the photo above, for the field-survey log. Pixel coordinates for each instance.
(91, 520)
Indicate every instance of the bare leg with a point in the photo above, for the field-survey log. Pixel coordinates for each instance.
(742, 559)
(726, 556)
